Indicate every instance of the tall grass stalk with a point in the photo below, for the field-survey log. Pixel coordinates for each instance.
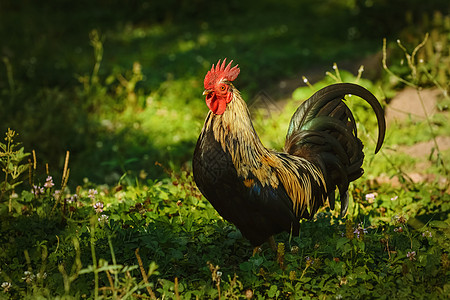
(9, 74)
(94, 257)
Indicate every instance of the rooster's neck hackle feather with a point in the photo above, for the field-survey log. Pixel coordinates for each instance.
(234, 131)
(237, 136)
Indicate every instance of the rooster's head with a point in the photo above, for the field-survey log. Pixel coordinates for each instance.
(217, 83)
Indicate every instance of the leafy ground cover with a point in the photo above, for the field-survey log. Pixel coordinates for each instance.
(141, 236)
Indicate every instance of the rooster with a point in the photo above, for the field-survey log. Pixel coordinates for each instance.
(265, 192)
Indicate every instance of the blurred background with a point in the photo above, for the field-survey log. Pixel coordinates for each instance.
(119, 83)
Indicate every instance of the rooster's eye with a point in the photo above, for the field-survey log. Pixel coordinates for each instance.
(223, 88)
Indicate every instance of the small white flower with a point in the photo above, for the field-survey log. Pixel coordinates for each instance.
(29, 277)
(371, 196)
(411, 255)
(6, 286)
(103, 218)
(309, 260)
(98, 207)
(41, 276)
(360, 230)
(37, 190)
(399, 219)
(398, 229)
(92, 193)
(427, 234)
(73, 198)
(294, 249)
(49, 182)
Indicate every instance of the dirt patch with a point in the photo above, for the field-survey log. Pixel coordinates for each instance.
(407, 104)
(423, 149)
(416, 106)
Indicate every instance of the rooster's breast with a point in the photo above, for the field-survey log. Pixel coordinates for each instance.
(258, 210)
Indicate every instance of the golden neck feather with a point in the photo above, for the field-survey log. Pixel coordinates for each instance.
(234, 131)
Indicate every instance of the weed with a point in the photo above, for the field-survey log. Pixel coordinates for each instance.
(11, 157)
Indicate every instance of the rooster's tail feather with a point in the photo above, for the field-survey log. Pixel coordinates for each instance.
(323, 130)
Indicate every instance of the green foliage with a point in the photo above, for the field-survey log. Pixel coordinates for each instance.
(12, 166)
(429, 62)
(163, 239)
(146, 231)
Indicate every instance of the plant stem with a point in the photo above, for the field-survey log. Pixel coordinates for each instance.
(94, 257)
(427, 117)
(389, 71)
(113, 257)
(9, 73)
(9, 136)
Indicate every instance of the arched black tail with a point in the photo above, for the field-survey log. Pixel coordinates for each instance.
(323, 130)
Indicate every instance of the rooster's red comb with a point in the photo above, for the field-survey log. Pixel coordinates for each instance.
(220, 72)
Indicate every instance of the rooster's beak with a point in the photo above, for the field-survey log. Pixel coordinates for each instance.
(206, 92)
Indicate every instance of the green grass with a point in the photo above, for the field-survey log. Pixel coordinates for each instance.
(120, 89)
(366, 254)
